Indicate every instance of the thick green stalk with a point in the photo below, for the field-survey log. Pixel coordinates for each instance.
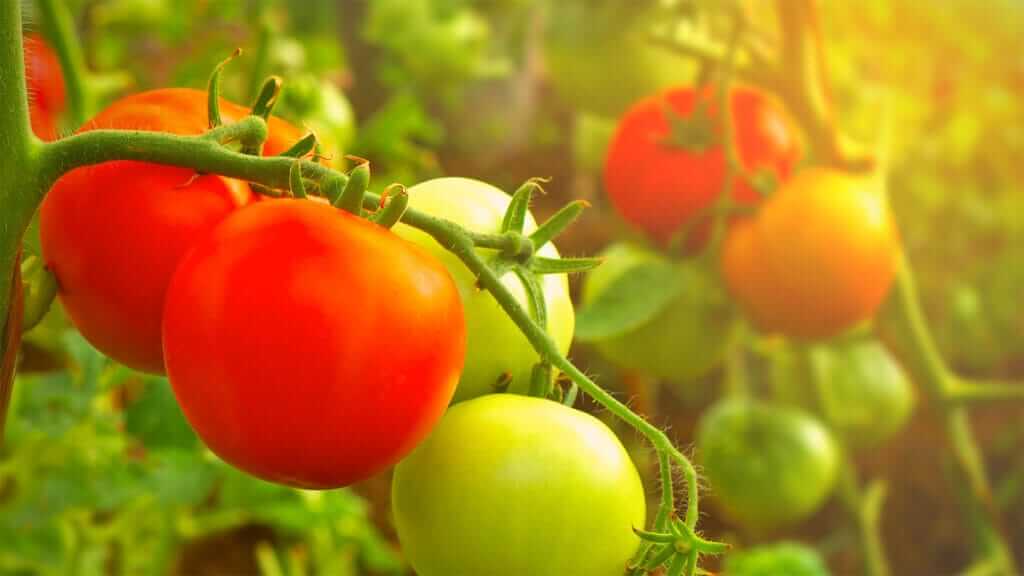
(905, 320)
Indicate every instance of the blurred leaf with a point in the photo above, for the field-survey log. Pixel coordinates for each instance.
(633, 298)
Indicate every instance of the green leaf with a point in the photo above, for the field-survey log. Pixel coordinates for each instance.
(634, 298)
(156, 420)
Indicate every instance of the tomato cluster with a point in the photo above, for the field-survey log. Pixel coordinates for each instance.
(314, 348)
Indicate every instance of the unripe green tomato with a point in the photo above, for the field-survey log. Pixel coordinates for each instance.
(782, 558)
(766, 465)
(866, 396)
(601, 58)
(496, 349)
(323, 108)
(511, 485)
(685, 341)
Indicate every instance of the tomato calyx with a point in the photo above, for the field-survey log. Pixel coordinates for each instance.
(697, 132)
(678, 547)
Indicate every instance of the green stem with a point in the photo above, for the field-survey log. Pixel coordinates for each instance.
(57, 18)
(904, 317)
(978, 392)
(865, 510)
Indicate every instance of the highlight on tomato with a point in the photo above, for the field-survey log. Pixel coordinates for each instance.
(310, 347)
(498, 356)
(666, 166)
(113, 233)
(510, 485)
(818, 258)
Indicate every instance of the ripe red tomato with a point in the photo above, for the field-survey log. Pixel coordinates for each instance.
(309, 347)
(818, 259)
(510, 485)
(659, 185)
(114, 233)
(45, 87)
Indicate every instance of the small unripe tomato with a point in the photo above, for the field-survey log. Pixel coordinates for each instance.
(766, 465)
(498, 352)
(685, 341)
(310, 347)
(817, 259)
(659, 181)
(510, 485)
(45, 83)
(113, 233)
(323, 107)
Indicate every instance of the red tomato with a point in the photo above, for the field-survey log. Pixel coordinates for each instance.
(310, 347)
(659, 185)
(45, 87)
(114, 233)
(818, 259)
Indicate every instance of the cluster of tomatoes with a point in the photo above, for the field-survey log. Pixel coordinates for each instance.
(315, 348)
(810, 260)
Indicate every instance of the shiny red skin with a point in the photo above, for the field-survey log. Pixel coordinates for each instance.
(310, 347)
(113, 233)
(45, 81)
(658, 186)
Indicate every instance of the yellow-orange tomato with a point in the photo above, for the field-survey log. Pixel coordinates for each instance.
(817, 259)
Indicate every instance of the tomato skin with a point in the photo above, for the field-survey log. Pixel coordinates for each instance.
(659, 186)
(113, 233)
(310, 347)
(45, 82)
(818, 259)
(684, 342)
(766, 465)
(496, 346)
(511, 485)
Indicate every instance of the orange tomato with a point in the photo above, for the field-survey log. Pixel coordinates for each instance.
(818, 258)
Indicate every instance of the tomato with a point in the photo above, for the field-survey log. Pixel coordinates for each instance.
(511, 485)
(310, 347)
(685, 341)
(45, 82)
(113, 233)
(659, 185)
(497, 349)
(601, 59)
(818, 259)
(866, 395)
(766, 465)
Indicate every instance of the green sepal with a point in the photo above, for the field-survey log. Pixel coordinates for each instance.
(515, 215)
(263, 106)
(305, 146)
(295, 180)
(351, 199)
(555, 225)
(542, 265)
(394, 206)
(213, 91)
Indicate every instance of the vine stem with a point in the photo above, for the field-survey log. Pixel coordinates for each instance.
(55, 16)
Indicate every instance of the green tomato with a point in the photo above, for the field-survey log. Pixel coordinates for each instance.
(766, 465)
(511, 485)
(865, 395)
(496, 350)
(685, 341)
(601, 58)
(323, 108)
(783, 558)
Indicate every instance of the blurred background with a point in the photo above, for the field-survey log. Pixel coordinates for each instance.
(100, 474)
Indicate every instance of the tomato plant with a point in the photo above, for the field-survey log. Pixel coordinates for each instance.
(666, 166)
(45, 87)
(685, 340)
(309, 347)
(112, 234)
(818, 258)
(766, 465)
(497, 353)
(513, 485)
